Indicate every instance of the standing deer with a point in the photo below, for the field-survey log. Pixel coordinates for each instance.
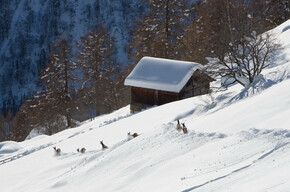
(184, 129)
(178, 126)
(57, 150)
(82, 150)
(103, 145)
(133, 135)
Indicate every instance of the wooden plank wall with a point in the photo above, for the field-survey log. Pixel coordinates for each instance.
(142, 97)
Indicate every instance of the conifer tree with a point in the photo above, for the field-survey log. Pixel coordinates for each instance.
(277, 11)
(95, 59)
(8, 125)
(158, 33)
(230, 34)
(208, 33)
(2, 130)
(58, 79)
(43, 115)
(219, 23)
(21, 126)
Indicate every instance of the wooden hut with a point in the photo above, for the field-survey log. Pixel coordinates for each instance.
(156, 81)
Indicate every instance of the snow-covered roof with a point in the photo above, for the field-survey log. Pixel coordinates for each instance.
(161, 74)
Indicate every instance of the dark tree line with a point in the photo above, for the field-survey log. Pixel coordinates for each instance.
(223, 21)
(95, 60)
(76, 86)
(231, 34)
(159, 33)
(82, 80)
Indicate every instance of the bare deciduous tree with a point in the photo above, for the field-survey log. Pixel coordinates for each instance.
(210, 34)
(230, 34)
(245, 59)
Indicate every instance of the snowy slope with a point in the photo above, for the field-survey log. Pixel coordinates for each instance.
(238, 140)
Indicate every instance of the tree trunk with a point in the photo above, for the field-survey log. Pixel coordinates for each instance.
(69, 120)
(167, 29)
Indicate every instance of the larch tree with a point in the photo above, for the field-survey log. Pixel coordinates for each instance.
(58, 79)
(220, 22)
(277, 11)
(120, 93)
(207, 33)
(8, 130)
(158, 32)
(2, 128)
(43, 116)
(229, 35)
(21, 126)
(95, 59)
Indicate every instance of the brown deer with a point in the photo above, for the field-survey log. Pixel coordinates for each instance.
(178, 126)
(57, 150)
(133, 135)
(103, 145)
(184, 129)
(82, 150)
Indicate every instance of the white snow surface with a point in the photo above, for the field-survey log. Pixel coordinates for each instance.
(161, 74)
(9, 147)
(238, 140)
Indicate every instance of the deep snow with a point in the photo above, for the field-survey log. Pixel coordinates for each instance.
(238, 140)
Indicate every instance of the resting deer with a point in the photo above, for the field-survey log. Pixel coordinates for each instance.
(178, 126)
(57, 150)
(103, 145)
(184, 129)
(133, 135)
(82, 150)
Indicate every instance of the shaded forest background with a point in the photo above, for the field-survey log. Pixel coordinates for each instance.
(81, 80)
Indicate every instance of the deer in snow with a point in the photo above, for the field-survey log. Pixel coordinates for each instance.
(178, 126)
(184, 129)
(132, 135)
(103, 145)
(82, 150)
(57, 150)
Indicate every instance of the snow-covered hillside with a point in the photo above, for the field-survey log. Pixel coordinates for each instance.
(238, 140)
